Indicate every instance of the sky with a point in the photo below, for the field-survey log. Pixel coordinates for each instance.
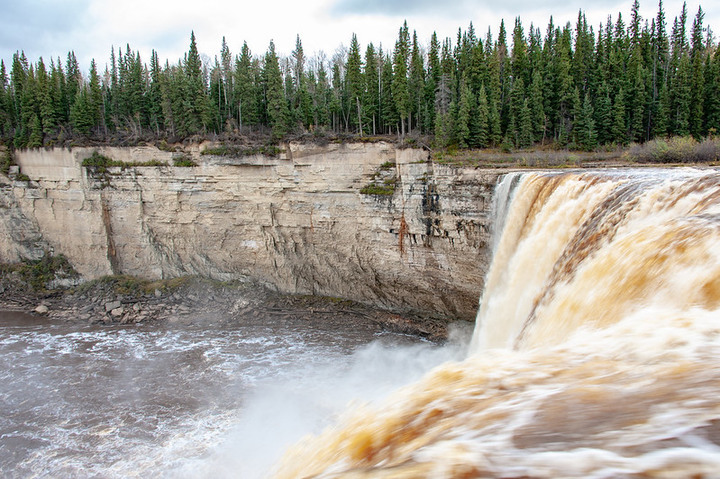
(90, 28)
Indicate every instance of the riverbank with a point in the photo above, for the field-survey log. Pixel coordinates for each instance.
(123, 300)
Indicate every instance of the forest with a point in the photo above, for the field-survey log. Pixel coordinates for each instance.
(569, 87)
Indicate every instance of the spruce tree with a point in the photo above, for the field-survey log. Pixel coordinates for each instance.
(277, 109)
(355, 84)
(604, 115)
(535, 103)
(712, 93)
(246, 89)
(525, 126)
(462, 121)
(619, 127)
(371, 99)
(416, 84)
(482, 134)
(400, 90)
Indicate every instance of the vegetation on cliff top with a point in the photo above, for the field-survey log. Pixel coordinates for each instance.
(571, 87)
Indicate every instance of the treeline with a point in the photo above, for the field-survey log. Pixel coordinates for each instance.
(573, 87)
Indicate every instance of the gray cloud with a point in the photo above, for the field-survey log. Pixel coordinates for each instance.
(461, 8)
(399, 7)
(39, 27)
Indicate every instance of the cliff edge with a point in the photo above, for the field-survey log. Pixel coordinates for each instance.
(363, 221)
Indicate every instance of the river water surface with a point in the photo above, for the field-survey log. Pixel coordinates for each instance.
(174, 400)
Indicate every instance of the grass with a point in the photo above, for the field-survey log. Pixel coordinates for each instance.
(38, 274)
(540, 157)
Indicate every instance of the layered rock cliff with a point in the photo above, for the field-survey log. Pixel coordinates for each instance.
(298, 221)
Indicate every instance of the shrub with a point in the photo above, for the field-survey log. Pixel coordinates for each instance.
(184, 160)
(39, 273)
(676, 150)
(6, 161)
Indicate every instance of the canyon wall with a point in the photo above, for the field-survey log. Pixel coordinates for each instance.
(297, 221)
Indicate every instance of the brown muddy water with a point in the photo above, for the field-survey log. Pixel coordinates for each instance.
(170, 400)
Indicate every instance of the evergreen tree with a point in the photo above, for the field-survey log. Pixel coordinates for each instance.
(400, 90)
(482, 133)
(388, 110)
(81, 115)
(535, 104)
(462, 122)
(371, 100)
(5, 107)
(585, 132)
(604, 115)
(681, 96)
(355, 83)
(246, 89)
(697, 77)
(303, 102)
(712, 93)
(277, 109)
(662, 118)
(619, 127)
(416, 85)
(525, 127)
(195, 114)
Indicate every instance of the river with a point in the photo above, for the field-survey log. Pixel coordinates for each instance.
(170, 400)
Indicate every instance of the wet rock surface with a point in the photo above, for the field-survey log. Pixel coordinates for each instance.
(122, 301)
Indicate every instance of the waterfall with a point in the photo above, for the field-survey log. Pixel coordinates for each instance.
(587, 249)
(596, 350)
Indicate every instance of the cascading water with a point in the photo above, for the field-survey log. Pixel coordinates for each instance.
(596, 349)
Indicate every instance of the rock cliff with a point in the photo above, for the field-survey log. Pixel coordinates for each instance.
(297, 221)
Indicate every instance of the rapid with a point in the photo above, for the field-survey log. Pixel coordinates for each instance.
(596, 349)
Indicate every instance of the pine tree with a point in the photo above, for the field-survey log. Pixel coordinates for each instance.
(712, 93)
(245, 89)
(400, 90)
(697, 77)
(604, 115)
(5, 106)
(519, 60)
(196, 112)
(303, 102)
(482, 134)
(355, 83)
(535, 103)
(45, 110)
(586, 134)
(277, 109)
(371, 100)
(619, 127)
(525, 127)
(81, 117)
(416, 84)
(462, 121)
(388, 110)
(682, 96)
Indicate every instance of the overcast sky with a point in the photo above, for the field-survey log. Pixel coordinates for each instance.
(51, 28)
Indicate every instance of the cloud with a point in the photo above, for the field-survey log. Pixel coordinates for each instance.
(32, 25)
(400, 7)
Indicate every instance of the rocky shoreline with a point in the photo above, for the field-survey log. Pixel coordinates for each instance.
(124, 300)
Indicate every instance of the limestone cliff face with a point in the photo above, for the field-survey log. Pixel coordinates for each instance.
(297, 221)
